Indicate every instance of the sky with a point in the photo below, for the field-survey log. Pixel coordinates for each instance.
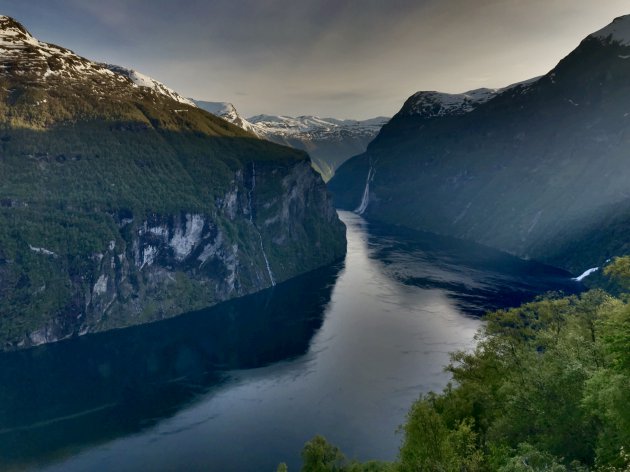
(332, 58)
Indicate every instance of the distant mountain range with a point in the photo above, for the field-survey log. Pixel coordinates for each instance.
(329, 141)
(122, 203)
(539, 169)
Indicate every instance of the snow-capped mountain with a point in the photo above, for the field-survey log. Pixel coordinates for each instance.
(429, 104)
(23, 55)
(227, 111)
(329, 141)
(314, 126)
(142, 80)
(432, 103)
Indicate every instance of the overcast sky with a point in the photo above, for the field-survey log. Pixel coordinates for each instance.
(340, 58)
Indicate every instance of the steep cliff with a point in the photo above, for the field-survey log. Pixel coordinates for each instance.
(534, 169)
(121, 203)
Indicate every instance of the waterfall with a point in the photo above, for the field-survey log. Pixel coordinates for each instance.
(366, 193)
(249, 194)
(251, 220)
(262, 248)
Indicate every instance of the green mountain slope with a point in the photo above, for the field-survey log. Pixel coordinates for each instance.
(121, 203)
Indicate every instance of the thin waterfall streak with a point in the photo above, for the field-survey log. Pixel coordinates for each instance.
(262, 248)
(251, 220)
(249, 194)
(366, 193)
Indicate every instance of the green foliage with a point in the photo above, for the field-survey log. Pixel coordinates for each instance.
(430, 445)
(547, 388)
(619, 270)
(529, 459)
(319, 455)
(85, 163)
(624, 460)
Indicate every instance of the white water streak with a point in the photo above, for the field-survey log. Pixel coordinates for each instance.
(262, 248)
(366, 193)
(249, 194)
(251, 220)
(585, 274)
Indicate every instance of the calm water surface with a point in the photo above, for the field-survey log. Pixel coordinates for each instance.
(342, 352)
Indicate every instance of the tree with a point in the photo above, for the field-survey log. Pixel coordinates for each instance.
(319, 455)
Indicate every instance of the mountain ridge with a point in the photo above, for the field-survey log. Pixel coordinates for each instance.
(121, 204)
(524, 171)
(329, 141)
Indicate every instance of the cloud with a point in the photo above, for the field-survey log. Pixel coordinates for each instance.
(350, 58)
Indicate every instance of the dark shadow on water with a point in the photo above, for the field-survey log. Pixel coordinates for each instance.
(56, 400)
(477, 278)
(60, 400)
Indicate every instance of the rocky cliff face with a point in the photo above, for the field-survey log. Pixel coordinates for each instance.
(161, 265)
(121, 203)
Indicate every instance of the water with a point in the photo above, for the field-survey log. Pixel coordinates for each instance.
(342, 352)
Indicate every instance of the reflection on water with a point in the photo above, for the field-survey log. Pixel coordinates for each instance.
(55, 399)
(342, 352)
(476, 278)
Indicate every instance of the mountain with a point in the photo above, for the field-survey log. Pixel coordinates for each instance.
(227, 111)
(122, 203)
(539, 169)
(329, 142)
(144, 81)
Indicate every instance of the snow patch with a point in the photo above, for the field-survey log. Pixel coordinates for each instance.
(287, 126)
(141, 80)
(305, 127)
(22, 54)
(429, 104)
(227, 111)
